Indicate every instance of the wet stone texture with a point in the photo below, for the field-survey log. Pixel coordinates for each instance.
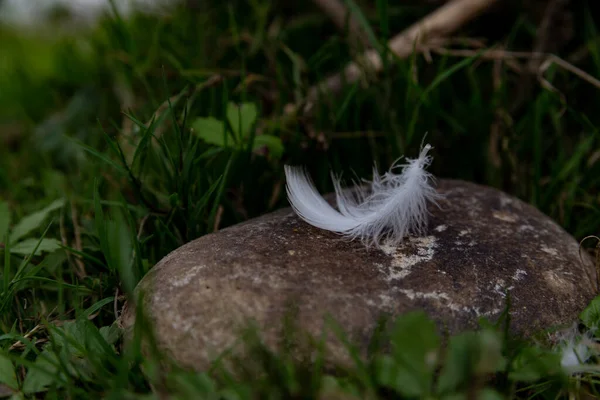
(481, 244)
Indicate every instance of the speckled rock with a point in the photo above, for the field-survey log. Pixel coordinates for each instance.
(481, 244)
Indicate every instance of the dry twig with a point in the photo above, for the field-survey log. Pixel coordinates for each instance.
(20, 344)
(342, 19)
(218, 216)
(546, 58)
(542, 41)
(446, 19)
(582, 51)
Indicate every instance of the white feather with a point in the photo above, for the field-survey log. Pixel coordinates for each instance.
(395, 205)
(576, 349)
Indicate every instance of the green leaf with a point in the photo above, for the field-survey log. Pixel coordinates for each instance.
(95, 307)
(490, 394)
(389, 374)
(120, 250)
(33, 221)
(4, 219)
(455, 396)
(100, 156)
(578, 155)
(273, 143)
(241, 118)
(458, 369)
(110, 333)
(211, 130)
(26, 247)
(174, 201)
(7, 372)
(415, 344)
(470, 355)
(70, 337)
(79, 339)
(590, 316)
(534, 363)
(196, 386)
(491, 359)
(42, 373)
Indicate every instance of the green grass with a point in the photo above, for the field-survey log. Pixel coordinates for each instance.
(93, 197)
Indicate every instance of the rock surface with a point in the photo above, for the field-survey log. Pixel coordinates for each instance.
(481, 244)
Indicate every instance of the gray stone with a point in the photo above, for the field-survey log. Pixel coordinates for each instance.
(481, 244)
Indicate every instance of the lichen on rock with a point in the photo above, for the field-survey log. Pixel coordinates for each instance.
(481, 245)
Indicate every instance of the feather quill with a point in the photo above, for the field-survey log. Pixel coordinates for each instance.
(394, 206)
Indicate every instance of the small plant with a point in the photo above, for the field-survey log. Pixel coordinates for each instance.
(237, 130)
(16, 239)
(76, 349)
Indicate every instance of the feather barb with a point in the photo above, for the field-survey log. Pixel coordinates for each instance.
(394, 205)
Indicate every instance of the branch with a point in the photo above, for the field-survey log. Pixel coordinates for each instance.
(443, 21)
(342, 18)
(545, 60)
(543, 37)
